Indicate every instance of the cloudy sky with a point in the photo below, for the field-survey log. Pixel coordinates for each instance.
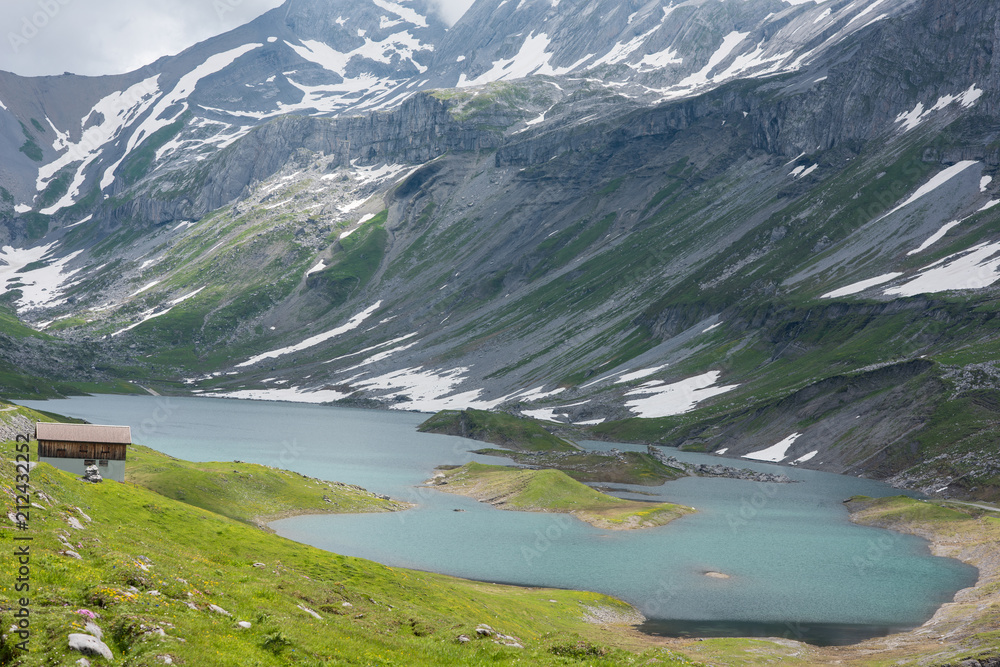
(112, 36)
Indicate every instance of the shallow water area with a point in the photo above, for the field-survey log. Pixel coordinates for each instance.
(796, 566)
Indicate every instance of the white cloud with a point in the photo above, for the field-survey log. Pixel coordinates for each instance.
(95, 37)
(451, 10)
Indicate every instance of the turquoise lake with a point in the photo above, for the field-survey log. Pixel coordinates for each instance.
(798, 567)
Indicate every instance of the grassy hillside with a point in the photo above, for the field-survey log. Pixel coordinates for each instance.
(150, 566)
(497, 428)
(248, 492)
(554, 491)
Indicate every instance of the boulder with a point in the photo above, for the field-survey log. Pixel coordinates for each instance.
(89, 645)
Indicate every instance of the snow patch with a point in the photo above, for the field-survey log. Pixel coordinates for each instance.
(975, 268)
(145, 287)
(861, 285)
(536, 394)
(405, 13)
(290, 394)
(373, 347)
(935, 237)
(937, 181)
(353, 323)
(775, 453)
(186, 297)
(546, 414)
(984, 183)
(159, 118)
(676, 398)
(532, 58)
(807, 457)
(429, 390)
(918, 114)
(729, 42)
(40, 288)
(117, 111)
(636, 375)
(316, 269)
(87, 219)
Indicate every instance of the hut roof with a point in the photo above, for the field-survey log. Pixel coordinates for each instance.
(114, 435)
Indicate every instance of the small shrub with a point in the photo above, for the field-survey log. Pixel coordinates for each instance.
(579, 650)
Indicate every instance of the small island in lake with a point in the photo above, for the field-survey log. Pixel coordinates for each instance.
(523, 490)
(527, 442)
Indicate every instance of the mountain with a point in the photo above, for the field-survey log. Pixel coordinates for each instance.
(740, 227)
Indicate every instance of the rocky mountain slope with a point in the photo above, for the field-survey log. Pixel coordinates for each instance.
(752, 228)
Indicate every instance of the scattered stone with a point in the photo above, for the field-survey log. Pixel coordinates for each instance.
(463, 639)
(192, 605)
(717, 575)
(484, 631)
(74, 523)
(165, 659)
(83, 662)
(89, 645)
(83, 514)
(71, 554)
(246, 625)
(219, 610)
(716, 470)
(155, 593)
(259, 565)
(310, 612)
(346, 604)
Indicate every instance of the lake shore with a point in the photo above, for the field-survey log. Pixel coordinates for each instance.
(956, 630)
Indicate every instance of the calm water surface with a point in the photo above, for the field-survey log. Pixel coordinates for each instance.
(797, 566)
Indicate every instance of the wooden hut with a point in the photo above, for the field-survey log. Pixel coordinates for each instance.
(74, 447)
